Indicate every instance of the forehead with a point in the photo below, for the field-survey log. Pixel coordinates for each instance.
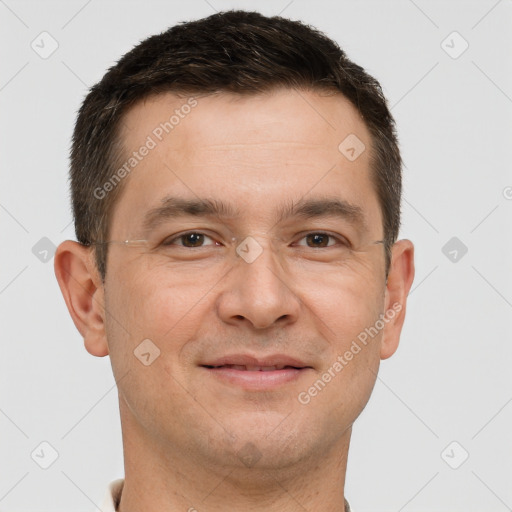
(223, 120)
(255, 151)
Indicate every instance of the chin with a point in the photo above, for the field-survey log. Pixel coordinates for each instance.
(268, 441)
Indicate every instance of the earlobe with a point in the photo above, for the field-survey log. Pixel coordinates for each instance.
(83, 293)
(399, 282)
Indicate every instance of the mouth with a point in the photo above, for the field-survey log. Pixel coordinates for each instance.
(256, 374)
(252, 368)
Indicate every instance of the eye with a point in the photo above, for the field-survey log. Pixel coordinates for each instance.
(190, 240)
(196, 240)
(319, 240)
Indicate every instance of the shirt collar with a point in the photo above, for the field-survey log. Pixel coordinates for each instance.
(112, 496)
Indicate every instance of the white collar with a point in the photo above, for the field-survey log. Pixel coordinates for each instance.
(112, 496)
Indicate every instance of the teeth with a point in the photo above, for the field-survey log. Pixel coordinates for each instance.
(256, 368)
(252, 368)
(262, 368)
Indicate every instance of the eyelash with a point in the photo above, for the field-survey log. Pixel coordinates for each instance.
(342, 241)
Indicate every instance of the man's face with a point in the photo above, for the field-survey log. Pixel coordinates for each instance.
(287, 298)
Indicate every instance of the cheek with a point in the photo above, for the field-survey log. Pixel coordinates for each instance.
(168, 304)
(163, 304)
(144, 308)
(165, 300)
(346, 310)
(348, 295)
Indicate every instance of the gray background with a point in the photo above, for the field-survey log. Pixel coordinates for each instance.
(451, 377)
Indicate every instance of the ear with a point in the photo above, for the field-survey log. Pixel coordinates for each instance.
(400, 278)
(83, 291)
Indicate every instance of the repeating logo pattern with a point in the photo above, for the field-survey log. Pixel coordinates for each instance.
(453, 58)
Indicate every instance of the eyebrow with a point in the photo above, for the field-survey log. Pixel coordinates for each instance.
(175, 207)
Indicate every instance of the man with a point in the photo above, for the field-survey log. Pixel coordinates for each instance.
(236, 189)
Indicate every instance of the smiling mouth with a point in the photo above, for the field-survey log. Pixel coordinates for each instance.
(256, 378)
(250, 368)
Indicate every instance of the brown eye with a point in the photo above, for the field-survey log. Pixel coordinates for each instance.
(319, 240)
(191, 240)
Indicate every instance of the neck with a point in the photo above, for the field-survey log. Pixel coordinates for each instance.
(165, 478)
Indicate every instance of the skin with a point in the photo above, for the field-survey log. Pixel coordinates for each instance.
(184, 430)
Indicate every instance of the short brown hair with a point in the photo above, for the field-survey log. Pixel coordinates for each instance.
(233, 51)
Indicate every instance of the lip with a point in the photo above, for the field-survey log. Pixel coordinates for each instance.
(256, 373)
(248, 360)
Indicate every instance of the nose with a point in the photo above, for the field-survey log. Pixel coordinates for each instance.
(256, 291)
